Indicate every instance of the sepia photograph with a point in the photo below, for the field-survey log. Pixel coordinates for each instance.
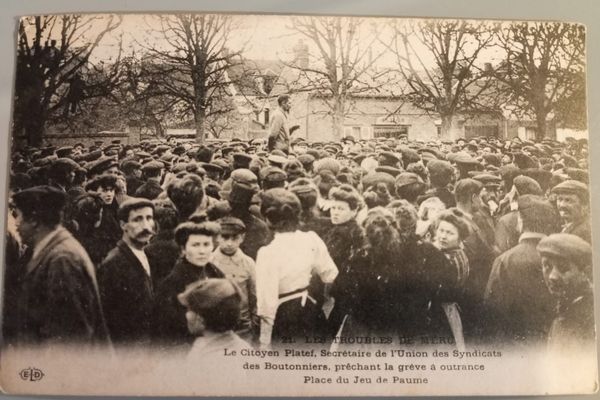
(245, 204)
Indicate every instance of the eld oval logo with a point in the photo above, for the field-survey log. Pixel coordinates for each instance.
(31, 374)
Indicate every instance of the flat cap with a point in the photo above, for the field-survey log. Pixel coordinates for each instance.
(407, 178)
(272, 174)
(527, 185)
(210, 293)
(153, 166)
(572, 187)
(566, 246)
(389, 170)
(231, 226)
(244, 176)
(241, 160)
(29, 201)
(64, 151)
(211, 167)
(277, 160)
(488, 179)
(132, 203)
(104, 180)
(102, 164)
(306, 160)
(130, 165)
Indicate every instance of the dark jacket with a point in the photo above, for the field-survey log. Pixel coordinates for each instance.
(573, 326)
(109, 232)
(445, 195)
(583, 229)
(170, 324)
(133, 184)
(506, 232)
(59, 296)
(127, 295)
(258, 233)
(343, 242)
(519, 307)
(315, 223)
(401, 292)
(149, 190)
(163, 252)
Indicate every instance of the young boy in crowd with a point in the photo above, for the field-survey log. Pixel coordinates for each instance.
(213, 311)
(238, 267)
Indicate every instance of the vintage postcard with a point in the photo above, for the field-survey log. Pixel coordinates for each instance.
(275, 205)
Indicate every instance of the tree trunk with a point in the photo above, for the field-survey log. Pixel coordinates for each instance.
(338, 121)
(34, 129)
(199, 119)
(540, 118)
(447, 121)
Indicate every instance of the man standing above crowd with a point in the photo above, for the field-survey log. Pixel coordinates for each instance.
(58, 290)
(279, 136)
(125, 277)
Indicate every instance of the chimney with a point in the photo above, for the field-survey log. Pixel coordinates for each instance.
(301, 54)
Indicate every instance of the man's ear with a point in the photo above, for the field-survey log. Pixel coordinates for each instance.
(122, 224)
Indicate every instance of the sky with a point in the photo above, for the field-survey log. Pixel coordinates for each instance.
(267, 37)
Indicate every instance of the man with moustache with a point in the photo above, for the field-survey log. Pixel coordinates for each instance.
(572, 201)
(125, 278)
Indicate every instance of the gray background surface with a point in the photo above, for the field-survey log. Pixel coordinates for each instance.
(582, 11)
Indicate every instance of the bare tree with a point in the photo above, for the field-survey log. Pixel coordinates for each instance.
(188, 64)
(438, 60)
(343, 65)
(543, 71)
(53, 69)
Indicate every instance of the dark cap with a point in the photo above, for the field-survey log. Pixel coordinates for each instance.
(153, 166)
(130, 165)
(232, 226)
(105, 181)
(210, 293)
(272, 174)
(527, 185)
(306, 159)
(43, 201)
(210, 167)
(64, 151)
(99, 166)
(241, 160)
(566, 246)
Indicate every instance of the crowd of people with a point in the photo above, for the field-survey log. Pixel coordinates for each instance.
(251, 244)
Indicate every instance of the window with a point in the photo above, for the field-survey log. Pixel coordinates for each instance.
(390, 131)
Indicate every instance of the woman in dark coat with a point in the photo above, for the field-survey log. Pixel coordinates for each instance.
(197, 243)
(398, 282)
(344, 239)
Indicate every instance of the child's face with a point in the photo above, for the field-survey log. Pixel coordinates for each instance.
(198, 249)
(229, 243)
(195, 323)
